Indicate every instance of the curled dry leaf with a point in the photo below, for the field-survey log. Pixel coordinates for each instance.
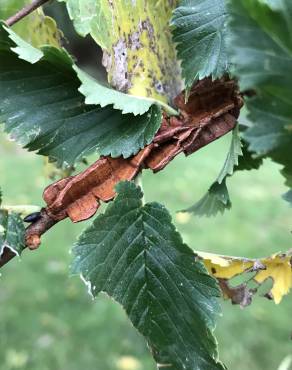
(211, 112)
(79, 196)
(240, 294)
(276, 267)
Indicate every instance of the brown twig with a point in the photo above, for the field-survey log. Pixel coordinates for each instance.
(38, 228)
(32, 235)
(24, 12)
(210, 113)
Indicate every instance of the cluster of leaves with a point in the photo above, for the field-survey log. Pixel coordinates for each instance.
(263, 30)
(132, 251)
(63, 126)
(74, 114)
(258, 38)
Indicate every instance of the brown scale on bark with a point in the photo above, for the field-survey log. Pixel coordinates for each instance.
(211, 111)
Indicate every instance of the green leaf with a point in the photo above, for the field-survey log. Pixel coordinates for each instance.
(288, 197)
(248, 160)
(23, 49)
(102, 94)
(36, 28)
(200, 32)
(134, 254)
(96, 92)
(261, 51)
(128, 134)
(11, 232)
(215, 201)
(138, 52)
(233, 155)
(51, 116)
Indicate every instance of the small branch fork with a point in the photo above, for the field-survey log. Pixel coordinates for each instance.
(25, 11)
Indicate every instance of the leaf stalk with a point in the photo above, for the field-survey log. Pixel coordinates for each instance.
(25, 11)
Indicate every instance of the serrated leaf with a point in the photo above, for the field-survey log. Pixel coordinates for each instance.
(215, 201)
(248, 160)
(11, 232)
(23, 49)
(265, 33)
(261, 51)
(200, 32)
(276, 267)
(95, 92)
(129, 134)
(232, 157)
(59, 124)
(102, 94)
(135, 36)
(134, 254)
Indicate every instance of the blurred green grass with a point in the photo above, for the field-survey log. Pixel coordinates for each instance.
(49, 322)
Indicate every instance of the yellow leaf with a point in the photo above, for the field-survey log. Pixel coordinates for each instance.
(138, 51)
(225, 267)
(43, 30)
(36, 28)
(276, 267)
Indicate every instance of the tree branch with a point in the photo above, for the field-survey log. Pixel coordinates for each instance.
(32, 235)
(211, 112)
(24, 12)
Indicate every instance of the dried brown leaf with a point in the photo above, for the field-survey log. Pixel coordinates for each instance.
(211, 112)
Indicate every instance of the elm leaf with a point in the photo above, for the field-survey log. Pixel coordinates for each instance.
(133, 253)
(52, 117)
(200, 31)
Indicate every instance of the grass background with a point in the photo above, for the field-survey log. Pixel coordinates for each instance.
(49, 322)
